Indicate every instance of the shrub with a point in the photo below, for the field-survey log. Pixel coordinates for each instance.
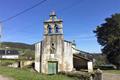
(78, 75)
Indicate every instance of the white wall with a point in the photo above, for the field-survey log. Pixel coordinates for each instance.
(90, 66)
(68, 57)
(37, 56)
(75, 50)
(10, 56)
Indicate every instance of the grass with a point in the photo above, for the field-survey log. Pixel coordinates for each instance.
(6, 62)
(112, 71)
(25, 74)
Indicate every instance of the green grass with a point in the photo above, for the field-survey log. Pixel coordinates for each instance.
(112, 71)
(6, 62)
(25, 74)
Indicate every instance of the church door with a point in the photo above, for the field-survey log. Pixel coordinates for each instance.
(52, 67)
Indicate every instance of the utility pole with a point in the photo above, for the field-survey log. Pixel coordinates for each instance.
(0, 35)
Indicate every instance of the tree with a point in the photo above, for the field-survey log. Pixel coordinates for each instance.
(108, 36)
(28, 54)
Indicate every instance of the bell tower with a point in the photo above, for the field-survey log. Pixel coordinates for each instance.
(53, 25)
(53, 44)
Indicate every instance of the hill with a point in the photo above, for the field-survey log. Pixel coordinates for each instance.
(17, 45)
(26, 50)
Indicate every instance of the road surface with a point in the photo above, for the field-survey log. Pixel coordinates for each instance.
(5, 78)
(111, 76)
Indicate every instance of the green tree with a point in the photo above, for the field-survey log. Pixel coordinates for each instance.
(108, 36)
(28, 54)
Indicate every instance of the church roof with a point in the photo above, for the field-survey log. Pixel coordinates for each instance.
(68, 41)
(9, 52)
(78, 56)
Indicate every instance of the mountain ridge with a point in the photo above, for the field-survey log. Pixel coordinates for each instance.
(18, 45)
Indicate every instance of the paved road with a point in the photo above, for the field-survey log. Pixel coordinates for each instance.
(110, 76)
(5, 78)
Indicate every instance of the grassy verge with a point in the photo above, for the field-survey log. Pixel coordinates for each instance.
(6, 62)
(25, 74)
(112, 71)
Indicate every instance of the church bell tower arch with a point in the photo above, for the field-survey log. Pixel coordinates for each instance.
(53, 25)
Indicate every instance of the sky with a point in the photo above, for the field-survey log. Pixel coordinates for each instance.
(80, 18)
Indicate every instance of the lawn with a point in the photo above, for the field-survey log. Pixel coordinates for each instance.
(26, 74)
(112, 71)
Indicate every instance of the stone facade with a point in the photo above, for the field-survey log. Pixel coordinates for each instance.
(54, 54)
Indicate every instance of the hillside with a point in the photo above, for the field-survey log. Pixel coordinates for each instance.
(17, 45)
(26, 50)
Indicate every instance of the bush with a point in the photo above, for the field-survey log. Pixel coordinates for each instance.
(78, 75)
(107, 67)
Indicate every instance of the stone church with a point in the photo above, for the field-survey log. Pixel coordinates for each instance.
(54, 54)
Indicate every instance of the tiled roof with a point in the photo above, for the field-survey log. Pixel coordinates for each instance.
(77, 55)
(9, 52)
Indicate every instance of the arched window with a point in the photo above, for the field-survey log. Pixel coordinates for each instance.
(49, 29)
(56, 29)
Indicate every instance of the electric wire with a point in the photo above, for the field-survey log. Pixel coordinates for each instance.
(20, 13)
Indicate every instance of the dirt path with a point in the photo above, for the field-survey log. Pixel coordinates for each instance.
(5, 78)
(110, 76)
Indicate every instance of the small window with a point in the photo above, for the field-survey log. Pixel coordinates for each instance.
(52, 48)
(53, 44)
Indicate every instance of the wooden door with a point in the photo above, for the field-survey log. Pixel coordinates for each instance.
(52, 67)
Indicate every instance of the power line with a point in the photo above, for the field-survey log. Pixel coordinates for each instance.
(41, 2)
